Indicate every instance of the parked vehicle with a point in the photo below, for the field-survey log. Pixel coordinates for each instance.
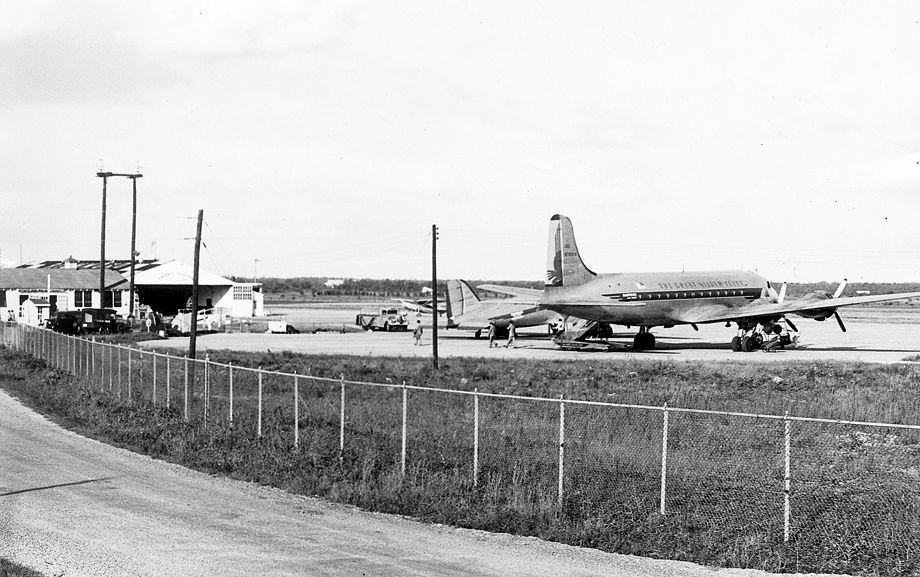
(388, 320)
(103, 321)
(207, 321)
(67, 322)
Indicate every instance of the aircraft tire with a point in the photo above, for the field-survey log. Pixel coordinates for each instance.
(736, 344)
(644, 342)
(751, 343)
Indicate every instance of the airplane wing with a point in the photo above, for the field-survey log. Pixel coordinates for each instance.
(716, 313)
(524, 293)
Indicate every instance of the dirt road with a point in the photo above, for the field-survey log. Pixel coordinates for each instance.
(74, 506)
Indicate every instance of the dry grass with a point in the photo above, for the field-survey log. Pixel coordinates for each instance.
(855, 501)
(10, 569)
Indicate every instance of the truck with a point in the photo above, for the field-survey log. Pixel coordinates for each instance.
(389, 320)
(103, 321)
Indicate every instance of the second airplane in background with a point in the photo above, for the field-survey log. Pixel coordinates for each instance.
(467, 311)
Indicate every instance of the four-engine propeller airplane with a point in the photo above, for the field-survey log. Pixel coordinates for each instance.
(648, 300)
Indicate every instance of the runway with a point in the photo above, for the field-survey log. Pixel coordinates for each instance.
(872, 336)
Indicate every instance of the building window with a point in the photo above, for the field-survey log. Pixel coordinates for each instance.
(242, 293)
(112, 299)
(82, 299)
(2, 298)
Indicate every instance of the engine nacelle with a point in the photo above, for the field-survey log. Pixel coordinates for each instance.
(818, 314)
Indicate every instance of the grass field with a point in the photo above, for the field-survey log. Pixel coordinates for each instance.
(855, 499)
(10, 569)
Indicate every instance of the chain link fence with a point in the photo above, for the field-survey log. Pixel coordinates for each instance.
(736, 486)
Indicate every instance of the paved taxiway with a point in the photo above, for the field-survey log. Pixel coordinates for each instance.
(868, 338)
(73, 506)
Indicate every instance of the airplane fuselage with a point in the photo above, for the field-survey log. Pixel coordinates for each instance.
(654, 299)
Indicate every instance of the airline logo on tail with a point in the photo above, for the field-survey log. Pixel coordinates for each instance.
(554, 257)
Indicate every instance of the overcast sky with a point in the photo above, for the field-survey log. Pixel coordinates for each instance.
(326, 138)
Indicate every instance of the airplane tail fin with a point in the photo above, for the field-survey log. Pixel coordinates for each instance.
(460, 298)
(564, 266)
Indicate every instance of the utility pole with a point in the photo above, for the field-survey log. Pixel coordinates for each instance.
(133, 178)
(193, 328)
(105, 179)
(434, 296)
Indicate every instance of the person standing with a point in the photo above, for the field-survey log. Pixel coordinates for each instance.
(417, 333)
(512, 335)
(492, 342)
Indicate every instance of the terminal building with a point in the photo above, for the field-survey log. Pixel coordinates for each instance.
(30, 295)
(163, 286)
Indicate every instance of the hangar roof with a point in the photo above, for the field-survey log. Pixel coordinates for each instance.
(120, 265)
(27, 278)
(174, 273)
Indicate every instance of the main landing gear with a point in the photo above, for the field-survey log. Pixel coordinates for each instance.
(644, 340)
(749, 341)
(766, 336)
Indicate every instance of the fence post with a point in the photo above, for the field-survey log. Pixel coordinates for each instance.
(664, 457)
(111, 368)
(786, 480)
(153, 391)
(92, 356)
(207, 393)
(259, 421)
(121, 379)
(167, 380)
(231, 394)
(130, 377)
(296, 413)
(405, 399)
(185, 357)
(207, 385)
(561, 447)
(342, 418)
(475, 436)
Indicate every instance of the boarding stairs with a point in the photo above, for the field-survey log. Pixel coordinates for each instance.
(577, 335)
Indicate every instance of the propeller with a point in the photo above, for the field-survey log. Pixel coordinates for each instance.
(779, 296)
(791, 324)
(840, 320)
(839, 292)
